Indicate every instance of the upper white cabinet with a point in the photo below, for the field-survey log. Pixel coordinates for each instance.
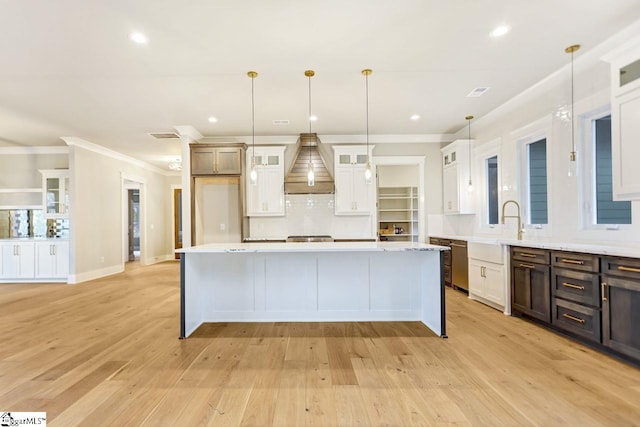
(55, 193)
(455, 177)
(625, 120)
(354, 196)
(266, 198)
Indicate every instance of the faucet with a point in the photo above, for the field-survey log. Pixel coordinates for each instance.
(520, 230)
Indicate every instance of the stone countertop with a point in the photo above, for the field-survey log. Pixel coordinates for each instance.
(313, 247)
(34, 239)
(628, 250)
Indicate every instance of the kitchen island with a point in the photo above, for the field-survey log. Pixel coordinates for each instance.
(332, 281)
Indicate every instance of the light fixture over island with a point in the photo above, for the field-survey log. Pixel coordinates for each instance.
(332, 281)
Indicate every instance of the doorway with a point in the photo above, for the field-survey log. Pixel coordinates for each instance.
(133, 224)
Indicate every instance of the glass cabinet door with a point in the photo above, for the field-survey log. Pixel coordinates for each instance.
(55, 193)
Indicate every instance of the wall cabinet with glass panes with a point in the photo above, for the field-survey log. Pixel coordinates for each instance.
(55, 193)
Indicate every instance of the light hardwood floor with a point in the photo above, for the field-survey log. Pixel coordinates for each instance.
(107, 353)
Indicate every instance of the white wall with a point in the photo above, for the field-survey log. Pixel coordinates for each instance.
(96, 227)
(543, 104)
(20, 171)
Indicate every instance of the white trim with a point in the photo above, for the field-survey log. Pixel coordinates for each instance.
(95, 274)
(78, 142)
(435, 138)
(15, 207)
(140, 185)
(56, 149)
(481, 154)
(20, 190)
(407, 160)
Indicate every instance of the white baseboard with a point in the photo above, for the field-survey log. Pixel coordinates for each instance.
(158, 259)
(95, 274)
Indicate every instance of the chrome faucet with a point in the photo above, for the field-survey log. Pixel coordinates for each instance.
(520, 230)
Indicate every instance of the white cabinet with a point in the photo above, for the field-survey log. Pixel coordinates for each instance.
(354, 196)
(625, 120)
(266, 198)
(17, 260)
(487, 274)
(55, 193)
(455, 177)
(51, 260)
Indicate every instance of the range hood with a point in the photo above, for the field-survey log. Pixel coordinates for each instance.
(296, 179)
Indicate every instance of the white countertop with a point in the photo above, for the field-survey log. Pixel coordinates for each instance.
(632, 251)
(34, 239)
(313, 247)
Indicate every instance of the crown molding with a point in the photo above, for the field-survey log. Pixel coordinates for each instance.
(57, 149)
(99, 149)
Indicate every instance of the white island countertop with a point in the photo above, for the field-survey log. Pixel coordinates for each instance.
(313, 247)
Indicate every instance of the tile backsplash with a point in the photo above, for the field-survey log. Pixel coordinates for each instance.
(23, 223)
(312, 214)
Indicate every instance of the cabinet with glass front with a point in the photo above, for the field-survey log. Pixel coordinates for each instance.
(55, 193)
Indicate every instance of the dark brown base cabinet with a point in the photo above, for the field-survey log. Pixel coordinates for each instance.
(621, 305)
(530, 283)
(593, 298)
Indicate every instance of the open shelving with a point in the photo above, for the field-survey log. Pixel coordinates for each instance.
(398, 208)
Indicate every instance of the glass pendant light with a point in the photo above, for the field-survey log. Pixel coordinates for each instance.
(470, 185)
(367, 170)
(311, 179)
(573, 168)
(253, 174)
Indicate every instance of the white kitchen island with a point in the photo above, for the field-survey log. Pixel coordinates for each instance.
(332, 281)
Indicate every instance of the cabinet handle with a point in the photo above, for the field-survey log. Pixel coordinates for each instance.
(629, 269)
(576, 262)
(15, 250)
(54, 249)
(574, 318)
(526, 255)
(484, 271)
(572, 286)
(449, 205)
(603, 289)
(531, 266)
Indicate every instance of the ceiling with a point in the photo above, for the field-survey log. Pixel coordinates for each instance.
(68, 67)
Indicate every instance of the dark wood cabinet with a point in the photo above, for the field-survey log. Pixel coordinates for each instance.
(530, 283)
(621, 305)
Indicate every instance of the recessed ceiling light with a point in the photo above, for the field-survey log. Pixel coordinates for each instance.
(500, 31)
(138, 38)
(212, 120)
(313, 118)
(415, 117)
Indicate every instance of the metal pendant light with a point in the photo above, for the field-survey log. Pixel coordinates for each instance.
(573, 168)
(367, 170)
(311, 179)
(470, 185)
(253, 174)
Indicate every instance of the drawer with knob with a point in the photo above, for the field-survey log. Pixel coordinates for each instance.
(577, 319)
(576, 286)
(575, 261)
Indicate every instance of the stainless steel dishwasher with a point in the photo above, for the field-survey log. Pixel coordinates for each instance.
(459, 265)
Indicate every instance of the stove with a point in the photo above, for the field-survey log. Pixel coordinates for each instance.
(309, 239)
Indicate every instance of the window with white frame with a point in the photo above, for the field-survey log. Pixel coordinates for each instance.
(603, 211)
(491, 174)
(536, 182)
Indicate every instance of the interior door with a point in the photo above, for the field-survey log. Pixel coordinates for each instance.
(177, 219)
(130, 218)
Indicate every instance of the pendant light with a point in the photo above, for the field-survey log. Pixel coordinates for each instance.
(367, 170)
(311, 179)
(253, 175)
(573, 169)
(470, 185)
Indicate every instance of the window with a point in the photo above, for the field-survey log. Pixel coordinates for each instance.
(491, 165)
(537, 177)
(606, 210)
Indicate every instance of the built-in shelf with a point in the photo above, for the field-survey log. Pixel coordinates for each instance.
(398, 208)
